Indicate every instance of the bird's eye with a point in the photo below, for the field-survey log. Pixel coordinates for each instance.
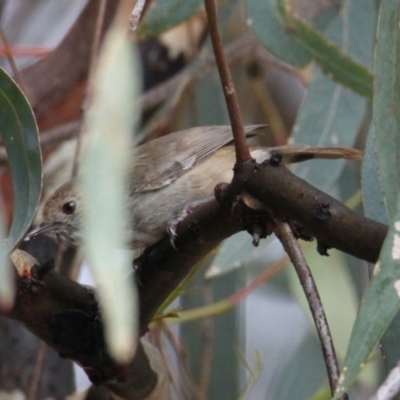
(69, 208)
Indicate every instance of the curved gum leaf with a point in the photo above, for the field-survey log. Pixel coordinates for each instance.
(20, 136)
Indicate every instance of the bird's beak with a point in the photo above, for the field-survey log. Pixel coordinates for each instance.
(40, 230)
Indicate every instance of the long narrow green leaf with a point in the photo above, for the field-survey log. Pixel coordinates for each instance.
(380, 304)
(331, 115)
(386, 111)
(380, 185)
(20, 135)
(105, 163)
(334, 62)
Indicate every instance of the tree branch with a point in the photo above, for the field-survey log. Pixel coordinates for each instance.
(292, 248)
(328, 220)
(66, 316)
(241, 147)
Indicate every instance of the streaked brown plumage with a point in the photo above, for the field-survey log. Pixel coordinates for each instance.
(168, 173)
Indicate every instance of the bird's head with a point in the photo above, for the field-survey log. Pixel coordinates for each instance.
(61, 216)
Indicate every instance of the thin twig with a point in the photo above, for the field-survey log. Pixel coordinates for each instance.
(232, 301)
(181, 357)
(292, 248)
(10, 58)
(92, 65)
(241, 147)
(176, 383)
(390, 387)
(26, 51)
(37, 371)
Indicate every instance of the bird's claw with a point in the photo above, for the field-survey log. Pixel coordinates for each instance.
(173, 225)
(187, 210)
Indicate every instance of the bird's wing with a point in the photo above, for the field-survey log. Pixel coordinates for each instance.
(160, 162)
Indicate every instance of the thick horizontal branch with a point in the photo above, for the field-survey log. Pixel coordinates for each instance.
(66, 316)
(332, 223)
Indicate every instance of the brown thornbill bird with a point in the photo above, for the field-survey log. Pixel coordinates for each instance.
(166, 175)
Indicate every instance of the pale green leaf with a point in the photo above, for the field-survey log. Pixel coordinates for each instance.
(105, 161)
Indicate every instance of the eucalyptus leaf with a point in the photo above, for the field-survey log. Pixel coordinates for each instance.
(386, 112)
(164, 15)
(263, 20)
(105, 161)
(332, 115)
(374, 206)
(20, 136)
(238, 252)
(380, 304)
(333, 60)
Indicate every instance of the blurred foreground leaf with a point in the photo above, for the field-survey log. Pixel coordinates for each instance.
(105, 161)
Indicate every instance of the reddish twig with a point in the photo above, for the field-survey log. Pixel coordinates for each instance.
(25, 51)
(241, 147)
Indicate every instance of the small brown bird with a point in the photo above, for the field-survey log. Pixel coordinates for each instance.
(167, 174)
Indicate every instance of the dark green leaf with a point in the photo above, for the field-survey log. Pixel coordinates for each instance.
(20, 135)
(333, 60)
(165, 14)
(331, 115)
(263, 19)
(380, 304)
(386, 111)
